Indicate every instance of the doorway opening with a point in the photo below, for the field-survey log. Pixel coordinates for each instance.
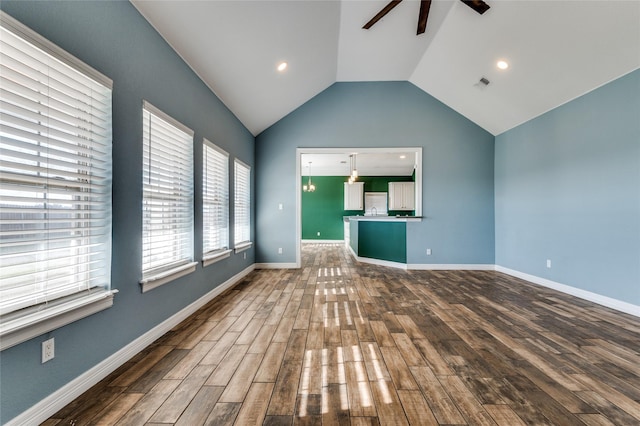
(368, 161)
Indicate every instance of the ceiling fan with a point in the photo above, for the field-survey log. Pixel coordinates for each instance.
(477, 5)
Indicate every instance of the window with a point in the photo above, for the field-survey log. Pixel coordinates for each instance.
(215, 203)
(55, 186)
(167, 205)
(242, 206)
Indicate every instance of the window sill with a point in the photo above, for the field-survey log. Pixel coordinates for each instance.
(214, 257)
(157, 280)
(239, 248)
(21, 329)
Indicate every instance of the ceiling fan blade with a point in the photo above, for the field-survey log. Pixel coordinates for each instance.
(424, 14)
(477, 5)
(381, 14)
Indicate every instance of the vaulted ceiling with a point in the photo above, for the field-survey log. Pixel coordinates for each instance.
(556, 50)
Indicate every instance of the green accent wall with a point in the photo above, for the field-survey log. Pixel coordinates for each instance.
(323, 209)
(383, 240)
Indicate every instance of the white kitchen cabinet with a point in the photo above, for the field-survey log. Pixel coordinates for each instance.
(353, 196)
(402, 196)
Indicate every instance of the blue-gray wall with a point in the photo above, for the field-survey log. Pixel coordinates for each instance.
(115, 39)
(567, 188)
(567, 184)
(457, 167)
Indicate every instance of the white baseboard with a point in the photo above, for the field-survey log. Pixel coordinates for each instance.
(423, 266)
(322, 241)
(609, 302)
(276, 266)
(451, 267)
(67, 393)
(378, 262)
(60, 398)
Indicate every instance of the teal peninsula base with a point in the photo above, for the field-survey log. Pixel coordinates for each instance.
(379, 238)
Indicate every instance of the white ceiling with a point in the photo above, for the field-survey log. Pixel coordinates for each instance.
(558, 50)
(366, 163)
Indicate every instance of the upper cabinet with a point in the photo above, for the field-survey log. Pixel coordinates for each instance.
(402, 196)
(353, 196)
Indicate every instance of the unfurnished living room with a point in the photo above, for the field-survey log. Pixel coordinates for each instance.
(355, 212)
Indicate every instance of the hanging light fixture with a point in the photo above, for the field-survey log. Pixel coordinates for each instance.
(309, 187)
(353, 172)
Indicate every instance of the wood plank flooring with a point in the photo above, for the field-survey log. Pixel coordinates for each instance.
(342, 343)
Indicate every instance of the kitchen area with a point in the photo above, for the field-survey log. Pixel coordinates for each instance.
(366, 206)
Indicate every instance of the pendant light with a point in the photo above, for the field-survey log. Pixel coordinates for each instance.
(309, 187)
(353, 171)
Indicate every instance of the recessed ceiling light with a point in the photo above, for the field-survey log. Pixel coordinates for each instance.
(282, 66)
(403, 157)
(503, 65)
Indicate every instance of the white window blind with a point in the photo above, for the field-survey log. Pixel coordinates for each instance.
(215, 199)
(55, 179)
(167, 227)
(242, 203)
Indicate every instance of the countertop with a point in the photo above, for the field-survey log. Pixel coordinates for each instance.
(382, 218)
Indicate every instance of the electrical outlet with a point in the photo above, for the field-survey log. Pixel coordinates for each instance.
(280, 206)
(279, 250)
(244, 255)
(318, 233)
(548, 263)
(428, 252)
(48, 350)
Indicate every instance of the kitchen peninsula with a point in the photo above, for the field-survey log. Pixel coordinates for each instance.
(378, 239)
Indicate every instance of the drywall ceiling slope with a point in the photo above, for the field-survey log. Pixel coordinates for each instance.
(390, 50)
(557, 50)
(235, 47)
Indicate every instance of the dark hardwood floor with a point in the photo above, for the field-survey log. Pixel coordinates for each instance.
(339, 343)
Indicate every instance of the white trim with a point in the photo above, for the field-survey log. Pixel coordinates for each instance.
(451, 266)
(378, 262)
(299, 151)
(298, 208)
(210, 174)
(242, 163)
(48, 406)
(609, 302)
(166, 117)
(322, 241)
(44, 409)
(385, 218)
(157, 280)
(418, 183)
(240, 247)
(217, 256)
(52, 49)
(30, 326)
(215, 148)
(277, 266)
